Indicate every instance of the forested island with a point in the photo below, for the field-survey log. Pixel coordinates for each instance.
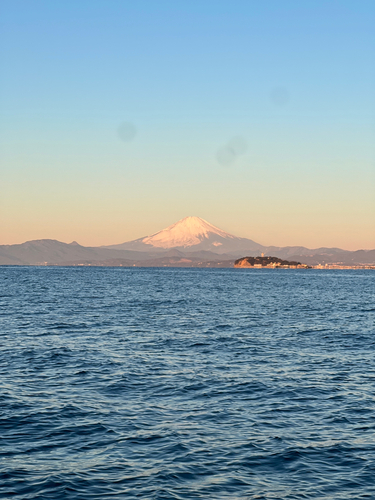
(269, 262)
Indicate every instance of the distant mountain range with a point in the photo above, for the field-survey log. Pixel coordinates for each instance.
(190, 242)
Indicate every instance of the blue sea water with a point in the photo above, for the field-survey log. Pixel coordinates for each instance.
(186, 383)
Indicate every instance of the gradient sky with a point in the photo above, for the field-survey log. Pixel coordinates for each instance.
(294, 80)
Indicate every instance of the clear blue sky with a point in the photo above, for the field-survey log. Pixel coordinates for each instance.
(295, 80)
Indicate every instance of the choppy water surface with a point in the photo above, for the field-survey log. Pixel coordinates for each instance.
(187, 383)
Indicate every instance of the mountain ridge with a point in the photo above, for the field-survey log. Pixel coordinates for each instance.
(192, 241)
(191, 232)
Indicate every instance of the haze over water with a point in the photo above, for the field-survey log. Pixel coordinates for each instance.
(186, 383)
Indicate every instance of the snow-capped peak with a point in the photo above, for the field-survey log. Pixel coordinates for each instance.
(185, 233)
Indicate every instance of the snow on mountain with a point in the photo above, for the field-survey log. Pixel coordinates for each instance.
(186, 233)
(193, 234)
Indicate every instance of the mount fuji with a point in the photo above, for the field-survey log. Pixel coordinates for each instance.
(191, 234)
(190, 242)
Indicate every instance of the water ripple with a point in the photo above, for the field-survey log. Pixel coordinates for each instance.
(186, 383)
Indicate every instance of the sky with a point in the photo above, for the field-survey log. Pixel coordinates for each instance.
(119, 118)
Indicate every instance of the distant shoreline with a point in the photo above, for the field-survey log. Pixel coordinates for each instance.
(202, 266)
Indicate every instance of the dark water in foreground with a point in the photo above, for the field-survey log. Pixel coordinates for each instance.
(186, 383)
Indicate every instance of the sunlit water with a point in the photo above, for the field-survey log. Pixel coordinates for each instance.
(187, 383)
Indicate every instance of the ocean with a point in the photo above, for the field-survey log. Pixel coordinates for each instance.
(186, 383)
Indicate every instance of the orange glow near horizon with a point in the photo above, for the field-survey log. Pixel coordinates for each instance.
(107, 226)
(243, 117)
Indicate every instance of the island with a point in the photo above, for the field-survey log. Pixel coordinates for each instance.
(269, 263)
